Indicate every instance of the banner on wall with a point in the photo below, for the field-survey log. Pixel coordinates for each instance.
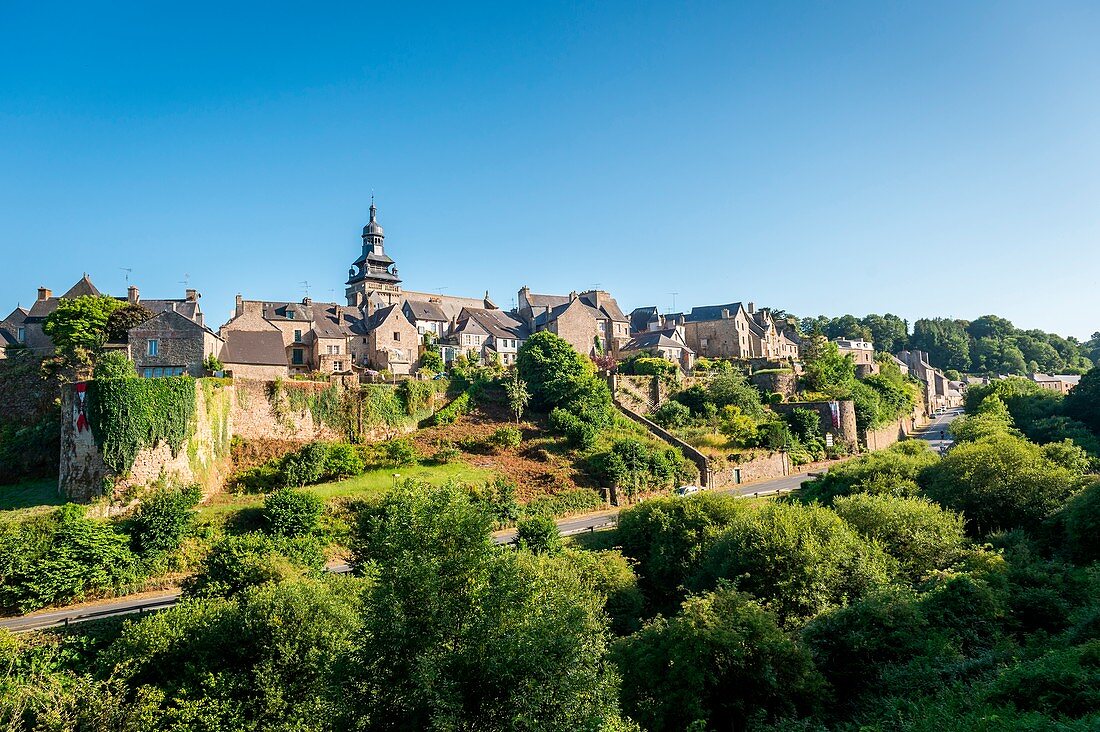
(82, 406)
(834, 410)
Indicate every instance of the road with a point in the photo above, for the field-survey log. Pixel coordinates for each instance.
(936, 432)
(567, 526)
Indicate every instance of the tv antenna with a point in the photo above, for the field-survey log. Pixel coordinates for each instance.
(186, 281)
(674, 294)
(305, 286)
(127, 270)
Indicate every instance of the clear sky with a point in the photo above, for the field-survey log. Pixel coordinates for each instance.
(917, 158)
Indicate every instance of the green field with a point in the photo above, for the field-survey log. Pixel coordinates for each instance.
(29, 494)
(370, 483)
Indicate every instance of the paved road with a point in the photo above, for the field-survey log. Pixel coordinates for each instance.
(936, 433)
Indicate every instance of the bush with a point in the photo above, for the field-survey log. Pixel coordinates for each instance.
(668, 537)
(1081, 518)
(798, 560)
(400, 452)
(635, 466)
(446, 453)
(259, 479)
(611, 575)
(343, 461)
(61, 556)
(306, 466)
(804, 423)
(505, 438)
(577, 432)
(289, 512)
(652, 366)
(497, 498)
(922, 536)
(1000, 483)
(721, 662)
(672, 414)
(538, 534)
(574, 500)
(163, 518)
(248, 560)
(893, 471)
(458, 406)
(114, 365)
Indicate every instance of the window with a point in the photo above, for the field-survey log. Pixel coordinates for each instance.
(290, 315)
(297, 336)
(396, 337)
(337, 365)
(158, 372)
(333, 350)
(152, 348)
(297, 357)
(21, 334)
(147, 373)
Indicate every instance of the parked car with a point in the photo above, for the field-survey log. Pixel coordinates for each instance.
(688, 490)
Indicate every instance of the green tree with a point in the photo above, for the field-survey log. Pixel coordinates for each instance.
(515, 389)
(719, 663)
(237, 562)
(1081, 519)
(124, 318)
(893, 471)
(457, 634)
(538, 534)
(1083, 402)
(946, 342)
(290, 512)
(78, 327)
(732, 389)
(552, 370)
(797, 560)
(999, 483)
(921, 535)
(163, 518)
(827, 371)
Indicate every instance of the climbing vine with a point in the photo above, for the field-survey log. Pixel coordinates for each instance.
(130, 415)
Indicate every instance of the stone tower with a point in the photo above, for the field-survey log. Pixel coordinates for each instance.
(373, 271)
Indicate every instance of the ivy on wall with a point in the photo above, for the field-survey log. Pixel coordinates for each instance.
(130, 415)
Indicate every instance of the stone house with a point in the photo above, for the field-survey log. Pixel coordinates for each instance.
(255, 354)
(489, 333)
(738, 331)
(939, 391)
(667, 344)
(1061, 383)
(590, 321)
(392, 341)
(171, 344)
(862, 354)
(13, 332)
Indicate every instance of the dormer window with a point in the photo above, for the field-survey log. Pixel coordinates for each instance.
(290, 315)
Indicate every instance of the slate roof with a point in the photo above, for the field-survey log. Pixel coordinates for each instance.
(640, 318)
(423, 310)
(655, 339)
(451, 305)
(187, 308)
(496, 323)
(712, 312)
(83, 286)
(255, 347)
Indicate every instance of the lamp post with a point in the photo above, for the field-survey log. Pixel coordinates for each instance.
(395, 477)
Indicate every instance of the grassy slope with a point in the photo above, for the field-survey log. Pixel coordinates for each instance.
(29, 494)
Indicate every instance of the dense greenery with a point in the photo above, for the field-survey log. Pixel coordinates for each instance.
(78, 327)
(987, 345)
(30, 416)
(130, 415)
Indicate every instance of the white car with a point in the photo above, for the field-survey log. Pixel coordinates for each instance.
(688, 490)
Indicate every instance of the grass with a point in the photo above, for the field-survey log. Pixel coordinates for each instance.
(370, 483)
(29, 494)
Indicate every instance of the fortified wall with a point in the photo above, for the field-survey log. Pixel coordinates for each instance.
(99, 459)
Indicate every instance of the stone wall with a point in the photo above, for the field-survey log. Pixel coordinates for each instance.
(203, 459)
(781, 382)
(846, 432)
(773, 465)
(256, 416)
(689, 452)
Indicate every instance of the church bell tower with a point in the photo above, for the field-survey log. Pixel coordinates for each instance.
(374, 271)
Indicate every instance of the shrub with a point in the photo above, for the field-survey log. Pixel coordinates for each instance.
(672, 414)
(497, 498)
(733, 389)
(574, 500)
(1081, 518)
(804, 423)
(798, 560)
(400, 452)
(163, 518)
(892, 471)
(611, 575)
(306, 466)
(652, 366)
(922, 536)
(247, 560)
(446, 453)
(61, 556)
(458, 406)
(538, 534)
(259, 479)
(719, 663)
(635, 466)
(579, 433)
(1000, 483)
(343, 461)
(289, 512)
(114, 365)
(505, 438)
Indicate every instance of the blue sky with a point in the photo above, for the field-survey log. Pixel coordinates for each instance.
(916, 158)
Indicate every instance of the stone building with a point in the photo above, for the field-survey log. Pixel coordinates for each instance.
(13, 332)
(732, 330)
(392, 341)
(374, 271)
(862, 353)
(171, 344)
(489, 334)
(667, 344)
(939, 392)
(255, 354)
(590, 321)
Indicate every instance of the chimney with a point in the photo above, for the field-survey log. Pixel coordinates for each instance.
(751, 308)
(725, 313)
(44, 293)
(307, 301)
(191, 295)
(132, 295)
(239, 304)
(572, 296)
